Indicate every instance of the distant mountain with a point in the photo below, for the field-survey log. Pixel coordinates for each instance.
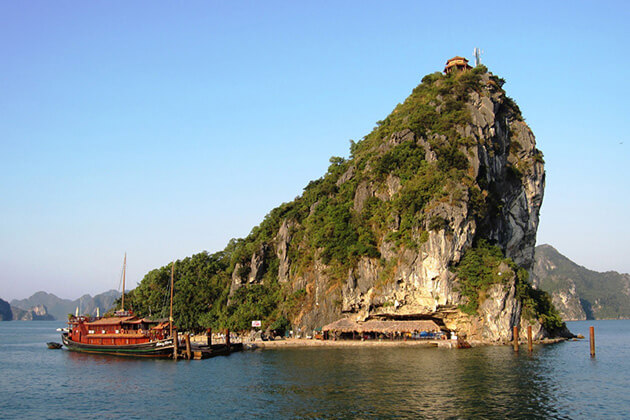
(35, 313)
(577, 292)
(60, 308)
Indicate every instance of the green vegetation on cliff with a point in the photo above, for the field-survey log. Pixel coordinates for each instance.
(484, 265)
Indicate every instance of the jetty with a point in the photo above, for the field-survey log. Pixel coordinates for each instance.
(201, 347)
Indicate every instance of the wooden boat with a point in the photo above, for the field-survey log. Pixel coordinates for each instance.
(53, 345)
(123, 334)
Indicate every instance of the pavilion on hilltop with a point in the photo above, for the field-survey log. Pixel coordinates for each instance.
(457, 63)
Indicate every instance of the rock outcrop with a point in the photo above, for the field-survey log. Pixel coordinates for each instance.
(381, 235)
(36, 313)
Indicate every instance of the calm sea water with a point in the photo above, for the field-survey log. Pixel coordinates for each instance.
(556, 381)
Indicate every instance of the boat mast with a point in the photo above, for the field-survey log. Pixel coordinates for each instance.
(170, 318)
(123, 288)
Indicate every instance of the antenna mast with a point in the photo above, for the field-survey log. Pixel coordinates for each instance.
(123, 287)
(477, 53)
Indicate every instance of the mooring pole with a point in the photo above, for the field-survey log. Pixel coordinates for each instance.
(209, 336)
(173, 331)
(227, 339)
(175, 345)
(530, 346)
(592, 337)
(515, 338)
(188, 352)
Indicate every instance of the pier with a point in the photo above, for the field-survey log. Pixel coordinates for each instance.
(201, 347)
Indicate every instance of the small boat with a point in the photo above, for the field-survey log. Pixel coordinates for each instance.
(53, 345)
(123, 334)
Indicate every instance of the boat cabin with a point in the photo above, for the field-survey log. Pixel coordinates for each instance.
(116, 330)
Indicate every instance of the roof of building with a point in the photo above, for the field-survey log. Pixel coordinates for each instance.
(346, 325)
(457, 58)
(115, 320)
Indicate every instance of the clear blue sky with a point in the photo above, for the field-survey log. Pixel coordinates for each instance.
(166, 128)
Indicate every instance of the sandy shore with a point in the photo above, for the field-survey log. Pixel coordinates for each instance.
(295, 342)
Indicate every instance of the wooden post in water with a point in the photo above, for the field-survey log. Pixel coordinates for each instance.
(209, 336)
(175, 345)
(188, 352)
(515, 338)
(592, 337)
(530, 347)
(227, 339)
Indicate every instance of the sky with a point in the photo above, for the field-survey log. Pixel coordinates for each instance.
(163, 129)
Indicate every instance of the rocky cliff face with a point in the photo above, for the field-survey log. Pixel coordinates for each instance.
(381, 235)
(36, 313)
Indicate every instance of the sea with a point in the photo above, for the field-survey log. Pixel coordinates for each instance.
(491, 382)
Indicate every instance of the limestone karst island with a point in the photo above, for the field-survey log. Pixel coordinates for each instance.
(428, 226)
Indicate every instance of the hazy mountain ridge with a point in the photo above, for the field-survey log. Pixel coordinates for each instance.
(577, 292)
(60, 308)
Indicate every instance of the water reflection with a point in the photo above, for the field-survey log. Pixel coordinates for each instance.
(489, 382)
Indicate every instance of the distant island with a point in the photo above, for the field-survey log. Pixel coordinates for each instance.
(43, 306)
(577, 292)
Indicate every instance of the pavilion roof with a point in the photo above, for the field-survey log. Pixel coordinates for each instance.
(346, 325)
(457, 58)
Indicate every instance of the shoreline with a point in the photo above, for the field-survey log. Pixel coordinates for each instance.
(313, 343)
